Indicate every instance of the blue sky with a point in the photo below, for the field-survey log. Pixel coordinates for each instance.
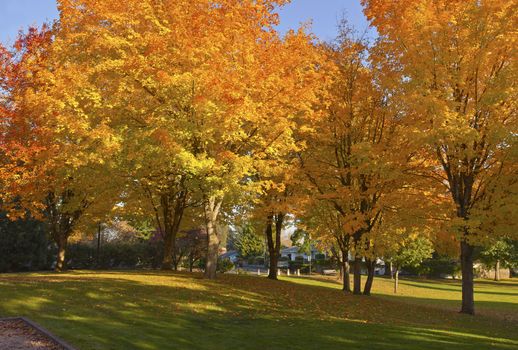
(324, 14)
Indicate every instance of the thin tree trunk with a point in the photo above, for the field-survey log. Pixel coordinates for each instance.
(497, 270)
(357, 279)
(371, 264)
(167, 258)
(391, 272)
(272, 248)
(468, 302)
(396, 279)
(274, 245)
(181, 203)
(99, 246)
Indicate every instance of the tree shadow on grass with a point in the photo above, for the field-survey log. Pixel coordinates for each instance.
(431, 284)
(503, 310)
(176, 311)
(511, 282)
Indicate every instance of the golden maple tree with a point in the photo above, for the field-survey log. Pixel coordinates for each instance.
(456, 63)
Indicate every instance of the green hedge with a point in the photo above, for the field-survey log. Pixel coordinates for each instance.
(113, 255)
(23, 245)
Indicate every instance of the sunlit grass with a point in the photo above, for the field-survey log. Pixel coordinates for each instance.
(157, 310)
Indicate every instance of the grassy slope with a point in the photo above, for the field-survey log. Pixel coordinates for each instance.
(155, 310)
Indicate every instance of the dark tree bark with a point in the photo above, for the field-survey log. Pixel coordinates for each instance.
(371, 264)
(466, 258)
(211, 209)
(191, 262)
(272, 272)
(167, 258)
(62, 223)
(461, 174)
(173, 206)
(274, 243)
(357, 278)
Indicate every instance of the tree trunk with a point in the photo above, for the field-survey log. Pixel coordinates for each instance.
(62, 247)
(396, 279)
(61, 223)
(391, 272)
(211, 209)
(371, 264)
(172, 216)
(357, 280)
(167, 259)
(466, 258)
(497, 270)
(346, 281)
(274, 244)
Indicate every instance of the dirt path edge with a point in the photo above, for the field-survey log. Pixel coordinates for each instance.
(42, 330)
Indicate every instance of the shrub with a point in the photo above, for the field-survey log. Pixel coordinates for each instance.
(438, 266)
(23, 245)
(224, 265)
(113, 255)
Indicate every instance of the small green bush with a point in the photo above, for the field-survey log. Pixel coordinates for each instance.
(225, 265)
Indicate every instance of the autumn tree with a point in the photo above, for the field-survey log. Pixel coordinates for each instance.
(321, 219)
(210, 82)
(456, 64)
(53, 152)
(352, 161)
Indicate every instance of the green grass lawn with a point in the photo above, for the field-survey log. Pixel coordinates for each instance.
(157, 310)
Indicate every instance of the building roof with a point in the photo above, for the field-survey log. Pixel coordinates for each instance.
(229, 254)
(295, 250)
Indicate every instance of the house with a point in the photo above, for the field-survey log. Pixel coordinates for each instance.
(231, 255)
(293, 252)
